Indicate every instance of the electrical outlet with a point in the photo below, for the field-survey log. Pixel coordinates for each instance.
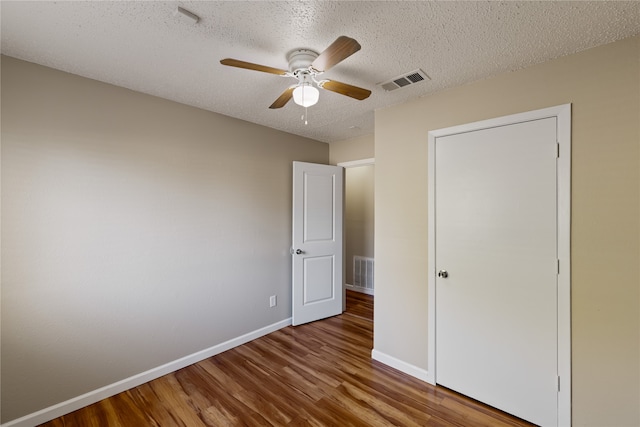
(272, 301)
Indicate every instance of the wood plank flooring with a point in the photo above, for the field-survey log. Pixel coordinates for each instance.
(319, 374)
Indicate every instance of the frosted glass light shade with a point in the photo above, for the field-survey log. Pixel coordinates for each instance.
(306, 95)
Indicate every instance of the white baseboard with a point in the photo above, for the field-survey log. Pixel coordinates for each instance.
(94, 396)
(358, 289)
(402, 366)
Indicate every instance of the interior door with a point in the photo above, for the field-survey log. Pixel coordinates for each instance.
(496, 260)
(317, 242)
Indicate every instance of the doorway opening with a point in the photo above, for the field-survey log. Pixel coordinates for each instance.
(359, 223)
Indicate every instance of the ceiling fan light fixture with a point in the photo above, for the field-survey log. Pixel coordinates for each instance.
(306, 95)
(304, 66)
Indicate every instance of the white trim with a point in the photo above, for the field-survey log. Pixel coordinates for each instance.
(543, 113)
(563, 115)
(564, 255)
(400, 365)
(94, 396)
(356, 163)
(359, 289)
(431, 261)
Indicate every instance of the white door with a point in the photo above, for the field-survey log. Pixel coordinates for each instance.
(317, 242)
(496, 258)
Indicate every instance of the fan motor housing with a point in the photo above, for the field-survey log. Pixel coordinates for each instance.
(301, 59)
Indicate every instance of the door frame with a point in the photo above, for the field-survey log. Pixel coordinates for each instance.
(562, 113)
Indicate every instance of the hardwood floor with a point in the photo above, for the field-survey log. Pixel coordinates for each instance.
(319, 374)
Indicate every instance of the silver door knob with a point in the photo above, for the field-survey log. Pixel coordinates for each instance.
(443, 274)
(299, 251)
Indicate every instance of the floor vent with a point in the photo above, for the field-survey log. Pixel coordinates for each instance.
(406, 79)
(363, 274)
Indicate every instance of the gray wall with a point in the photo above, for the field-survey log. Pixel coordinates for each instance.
(135, 231)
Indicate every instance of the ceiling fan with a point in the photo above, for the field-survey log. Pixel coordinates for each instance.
(306, 65)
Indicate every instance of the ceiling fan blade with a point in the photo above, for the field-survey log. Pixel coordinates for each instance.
(345, 89)
(339, 50)
(251, 66)
(283, 99)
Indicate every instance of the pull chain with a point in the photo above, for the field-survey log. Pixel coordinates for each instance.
(304, 116)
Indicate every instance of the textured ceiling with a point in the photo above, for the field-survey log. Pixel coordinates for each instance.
(142, 45)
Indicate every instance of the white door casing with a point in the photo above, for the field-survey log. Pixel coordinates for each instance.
(499, 325)
(317, 239)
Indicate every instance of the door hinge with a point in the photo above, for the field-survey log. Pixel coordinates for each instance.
(558, 383)
(557, 150)
(558, 266)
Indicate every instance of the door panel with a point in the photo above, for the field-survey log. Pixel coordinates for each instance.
(317, 289)
(495, 225)
(318, 207)
(318, 279)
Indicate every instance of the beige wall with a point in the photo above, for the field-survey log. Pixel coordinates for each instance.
(351, 149)
(358, 215)
(603, 85)
(135, 231)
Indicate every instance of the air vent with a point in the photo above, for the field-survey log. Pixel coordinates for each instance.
(406, 79)
(362, 275)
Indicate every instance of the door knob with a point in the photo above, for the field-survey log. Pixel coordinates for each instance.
(299, 251)
(443, 274)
